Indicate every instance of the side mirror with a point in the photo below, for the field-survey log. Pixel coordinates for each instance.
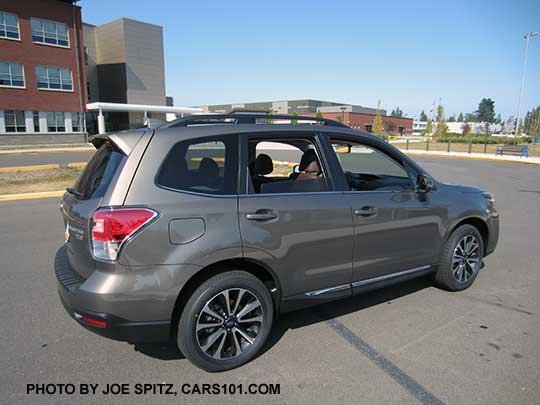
(424, 184)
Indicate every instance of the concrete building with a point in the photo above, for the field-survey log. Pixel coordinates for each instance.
(42, 71)
(355, 116)
(457, 127)
(125, 64)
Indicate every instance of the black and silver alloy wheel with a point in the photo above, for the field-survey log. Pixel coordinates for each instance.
(229, 323)
(466, 258)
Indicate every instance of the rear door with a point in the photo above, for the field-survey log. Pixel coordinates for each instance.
(396, 229)
(81, 201)
(295, 222)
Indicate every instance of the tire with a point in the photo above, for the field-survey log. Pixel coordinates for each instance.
(217, 337)
(455, 274)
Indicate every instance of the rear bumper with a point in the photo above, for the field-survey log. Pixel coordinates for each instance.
(92, 309)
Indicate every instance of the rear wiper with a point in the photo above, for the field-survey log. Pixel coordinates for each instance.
(70, 190)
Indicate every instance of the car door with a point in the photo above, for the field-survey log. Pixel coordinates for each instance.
(397, 230)
(295, 223)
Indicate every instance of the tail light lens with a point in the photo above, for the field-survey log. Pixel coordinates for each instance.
(112, 227)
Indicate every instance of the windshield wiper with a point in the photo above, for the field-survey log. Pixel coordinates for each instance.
(71, 190)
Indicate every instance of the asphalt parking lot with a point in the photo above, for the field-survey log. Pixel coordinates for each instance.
(402, 344)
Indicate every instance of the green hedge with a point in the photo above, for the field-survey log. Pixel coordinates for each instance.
(459, 138)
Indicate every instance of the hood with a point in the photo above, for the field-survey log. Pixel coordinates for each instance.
(460, 188)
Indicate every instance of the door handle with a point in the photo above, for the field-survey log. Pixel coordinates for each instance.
(262, 215)
(366, 211)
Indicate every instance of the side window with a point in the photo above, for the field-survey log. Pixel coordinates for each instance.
(368, 169)
(206, 166)
(285, 166)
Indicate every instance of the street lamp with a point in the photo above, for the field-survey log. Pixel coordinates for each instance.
(527, 36)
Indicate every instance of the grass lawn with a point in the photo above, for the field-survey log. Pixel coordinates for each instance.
(39, 180)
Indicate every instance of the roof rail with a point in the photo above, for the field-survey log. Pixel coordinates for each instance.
(236, 118)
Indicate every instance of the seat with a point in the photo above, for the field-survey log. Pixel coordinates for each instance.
(262, 166)
(208, 173)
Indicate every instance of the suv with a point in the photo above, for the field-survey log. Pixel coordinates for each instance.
(205, 229)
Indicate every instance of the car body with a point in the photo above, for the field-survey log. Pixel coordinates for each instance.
(207, 203)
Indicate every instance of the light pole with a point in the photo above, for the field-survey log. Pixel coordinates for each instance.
(527, 36)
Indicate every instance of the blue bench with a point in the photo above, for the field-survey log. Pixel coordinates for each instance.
(523, 151)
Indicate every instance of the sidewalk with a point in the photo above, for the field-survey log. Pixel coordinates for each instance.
(55, 149)
(478, 156)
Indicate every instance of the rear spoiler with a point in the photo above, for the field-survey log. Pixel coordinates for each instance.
(125, 140)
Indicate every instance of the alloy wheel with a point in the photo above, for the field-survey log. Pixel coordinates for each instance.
(229, 323)
(466, 258)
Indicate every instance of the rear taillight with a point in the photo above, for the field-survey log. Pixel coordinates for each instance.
(113, 226)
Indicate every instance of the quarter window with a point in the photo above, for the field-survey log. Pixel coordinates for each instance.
(368, 169)
(11, 74)
(54, 78)
(56, 122)
(9, 26)
(204, 166)
(14, 121)
(49, 32)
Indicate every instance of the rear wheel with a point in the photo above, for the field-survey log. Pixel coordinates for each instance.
(461, 259)
(226, 321)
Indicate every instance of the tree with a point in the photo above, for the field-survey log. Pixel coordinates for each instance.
(377, 122)
(429, 128)
(423, 116)
(452, 118)
(318, 114)
(531, 123)
(441, 128)
(471, 117)
(460, 117)
(466, 128)
(293, 121)
(486, 110)
(396, 113)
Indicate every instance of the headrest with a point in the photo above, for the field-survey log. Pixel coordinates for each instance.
(209, 167)
(308, 157)
(263, 165)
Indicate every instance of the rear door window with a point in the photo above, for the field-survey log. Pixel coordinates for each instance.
(208, 166)
(99, 172)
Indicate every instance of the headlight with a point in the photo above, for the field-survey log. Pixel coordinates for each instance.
(488, 196)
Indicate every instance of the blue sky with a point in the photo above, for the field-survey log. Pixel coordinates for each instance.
(406, 53)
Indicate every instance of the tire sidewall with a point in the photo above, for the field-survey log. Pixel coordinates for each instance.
(456, 236)
(187, 337)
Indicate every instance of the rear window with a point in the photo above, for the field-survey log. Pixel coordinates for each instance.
(208, 166)
(99, 172)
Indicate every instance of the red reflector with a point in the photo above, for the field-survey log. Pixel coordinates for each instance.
(115, 225)
(95, 322)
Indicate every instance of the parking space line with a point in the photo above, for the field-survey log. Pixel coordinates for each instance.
(393, 371)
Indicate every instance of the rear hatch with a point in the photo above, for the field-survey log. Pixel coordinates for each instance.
(80, 202)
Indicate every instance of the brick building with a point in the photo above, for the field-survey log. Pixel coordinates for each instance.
(42, 68)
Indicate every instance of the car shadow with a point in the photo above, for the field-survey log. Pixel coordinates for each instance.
(306, 317)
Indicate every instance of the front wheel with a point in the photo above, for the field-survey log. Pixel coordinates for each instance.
(226, 321)
(461, 259)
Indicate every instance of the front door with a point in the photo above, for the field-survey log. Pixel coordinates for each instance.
(293, 221)
(396, 229)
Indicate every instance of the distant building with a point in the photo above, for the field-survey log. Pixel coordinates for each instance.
(125, 64)
(355, 116)
(457, 127)
(42, 70)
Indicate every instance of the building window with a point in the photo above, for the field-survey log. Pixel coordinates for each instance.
(56, 122)
(49, 32)
(9, 26)
(11, 74)
(54, 78)
(35, 116)
(14, 120)
(76, 121)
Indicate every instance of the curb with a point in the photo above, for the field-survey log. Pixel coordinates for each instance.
(446, 155)
(31, 196)
(28, 168)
